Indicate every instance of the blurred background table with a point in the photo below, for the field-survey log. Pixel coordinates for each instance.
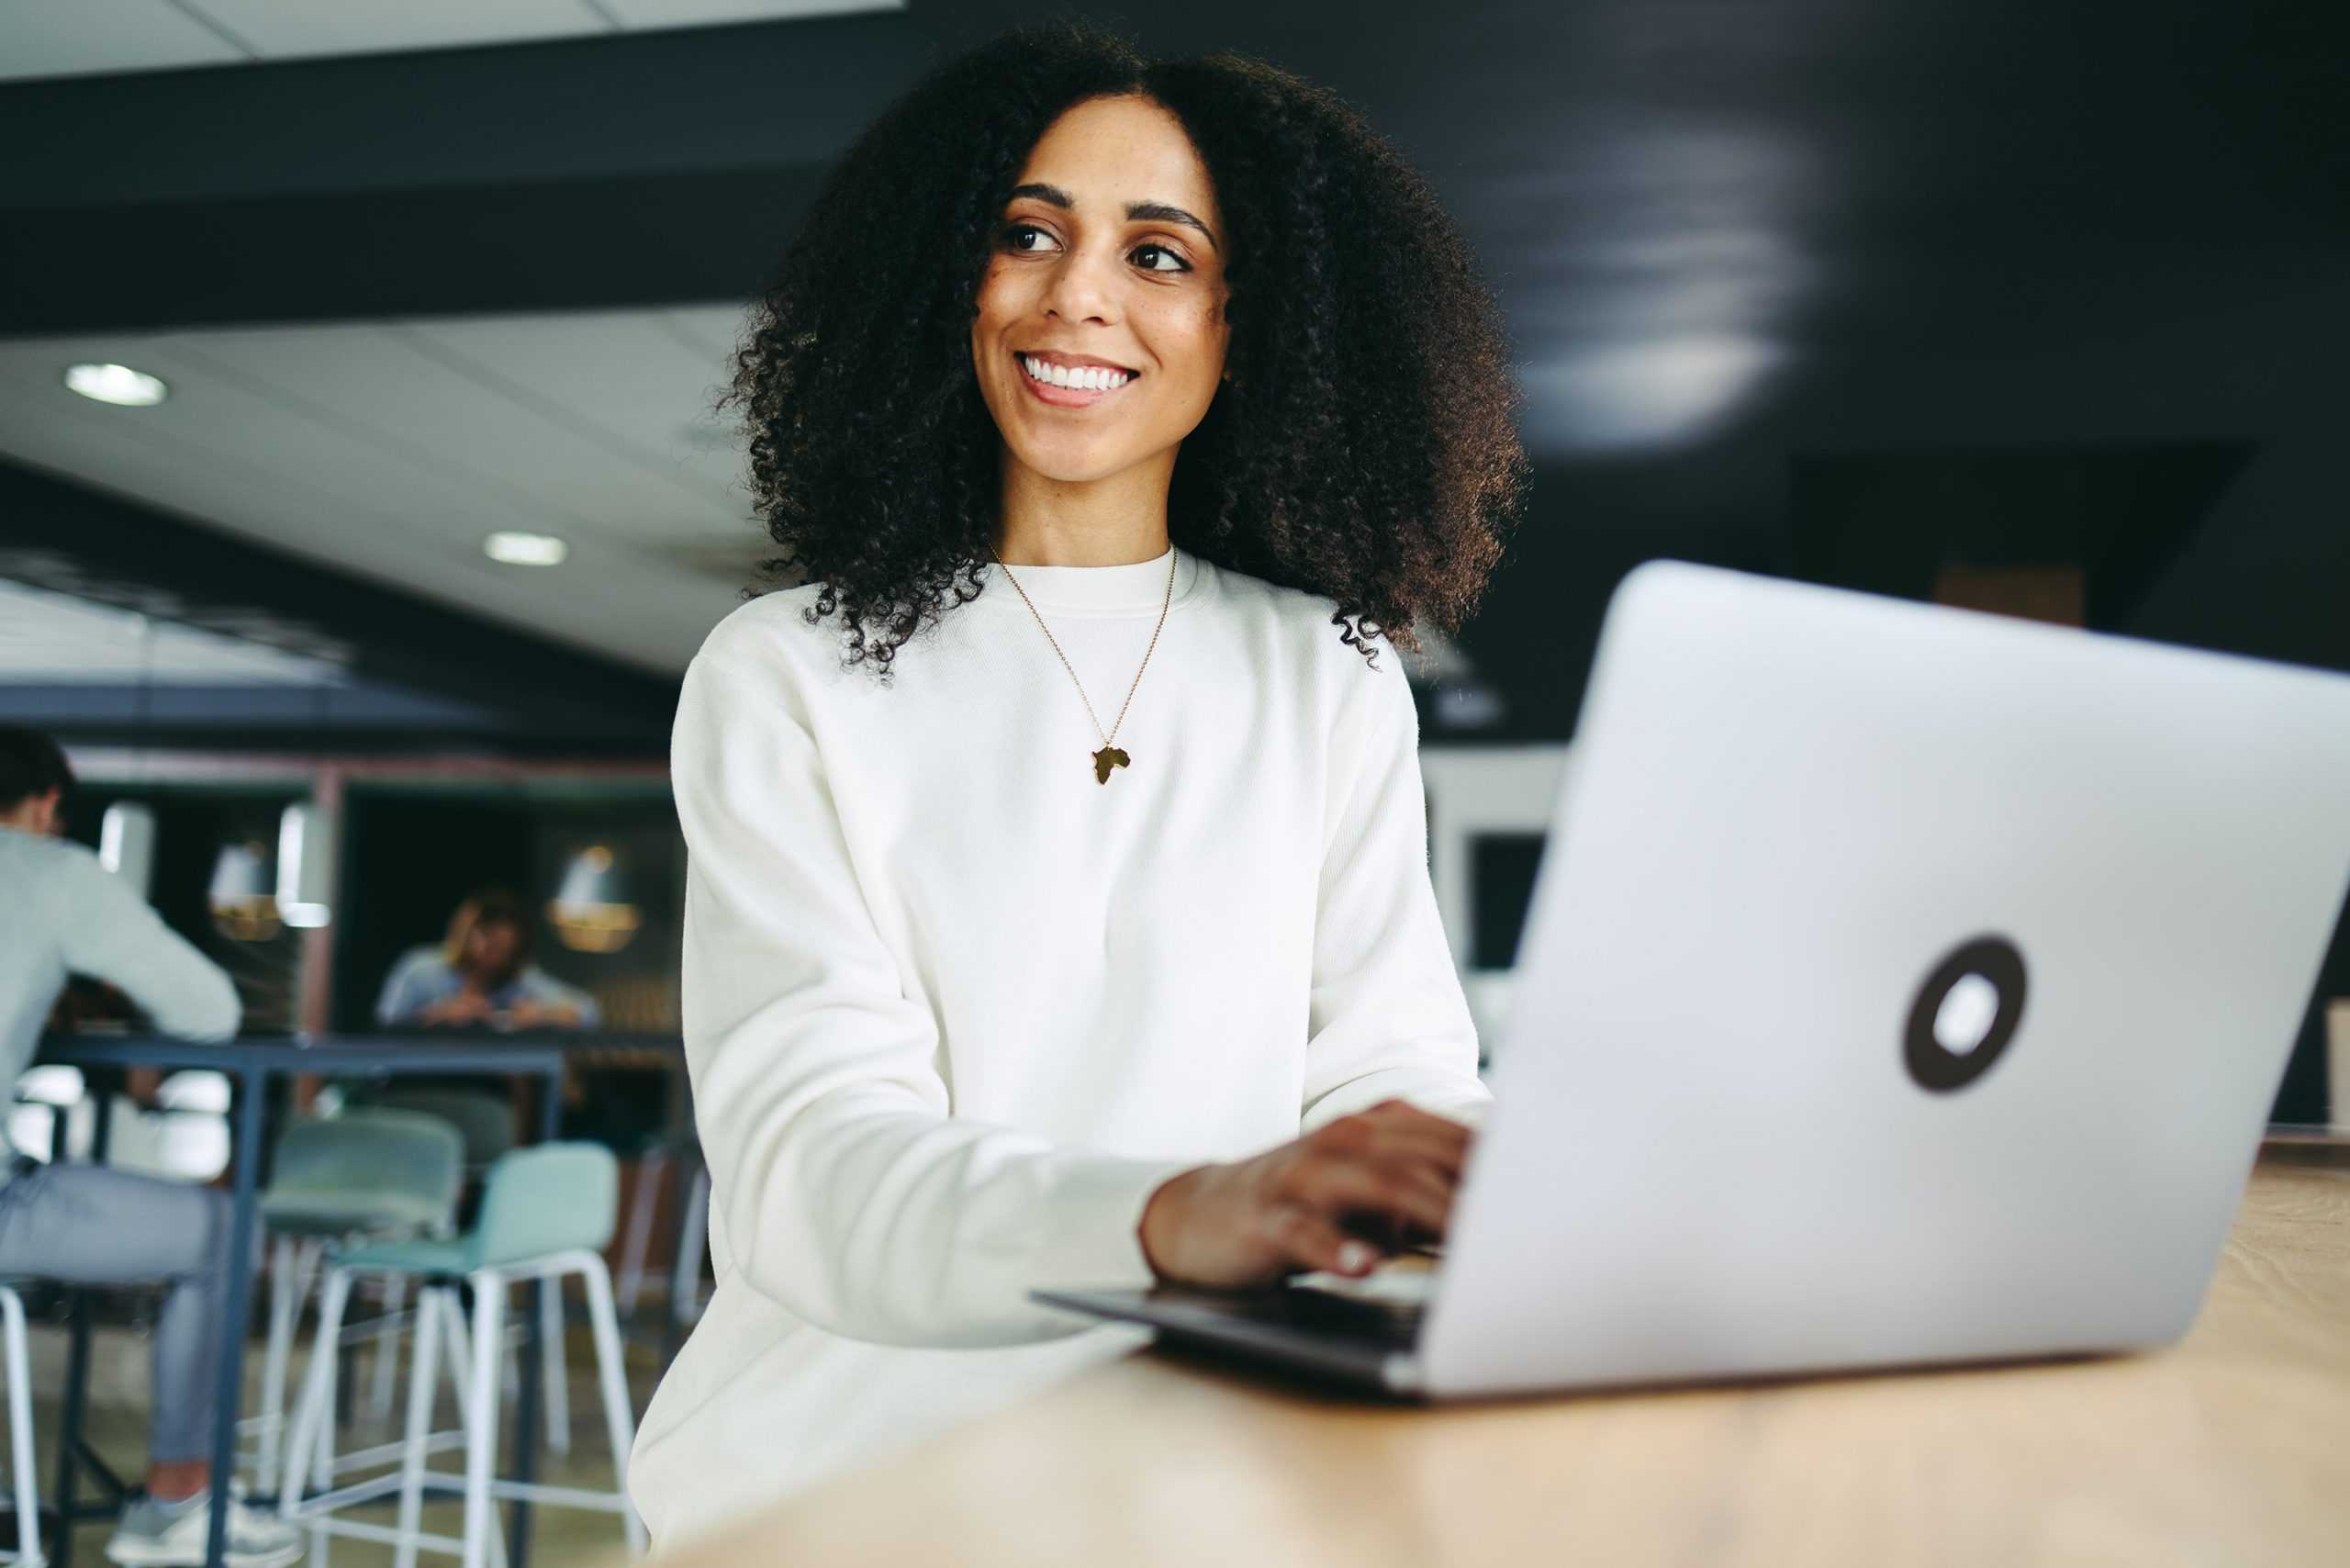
(2232, 1446)
(250, 1064)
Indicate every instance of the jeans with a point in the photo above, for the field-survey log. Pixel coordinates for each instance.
(89, 1224)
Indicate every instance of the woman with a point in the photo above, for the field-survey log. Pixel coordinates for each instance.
(980, 992)
(481, 973)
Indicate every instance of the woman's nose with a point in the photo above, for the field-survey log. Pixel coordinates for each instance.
(1078, 290)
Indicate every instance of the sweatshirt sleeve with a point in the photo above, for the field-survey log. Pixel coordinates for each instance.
(846, 1188)
(110, 932)
(401, 998)
(1387, 1018)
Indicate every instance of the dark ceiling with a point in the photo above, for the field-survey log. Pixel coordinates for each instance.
(2086, 263)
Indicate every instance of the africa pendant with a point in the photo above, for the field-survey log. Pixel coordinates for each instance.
(1108, 757)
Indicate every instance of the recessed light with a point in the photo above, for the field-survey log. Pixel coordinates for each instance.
(116, 384)
(525, 549)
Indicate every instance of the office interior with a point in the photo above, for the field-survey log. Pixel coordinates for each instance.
(361, 574)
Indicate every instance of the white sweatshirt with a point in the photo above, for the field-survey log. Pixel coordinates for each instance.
(954, 1009)
(62, 912)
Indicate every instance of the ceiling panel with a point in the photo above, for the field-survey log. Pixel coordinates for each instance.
(702, 13)
(87, 36)
(280, 29)
(51, 639)
(73, 37)
(391, 450)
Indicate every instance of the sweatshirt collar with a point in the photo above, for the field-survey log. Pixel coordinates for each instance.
(1137, 587)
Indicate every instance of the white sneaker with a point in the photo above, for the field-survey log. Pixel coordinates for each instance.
(150, 1535)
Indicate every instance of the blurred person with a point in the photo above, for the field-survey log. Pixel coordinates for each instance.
(63, 912)
(481, 972)
(986, 988)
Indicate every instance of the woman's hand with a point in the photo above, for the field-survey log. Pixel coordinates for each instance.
(1388, 1172)
(460, 1007)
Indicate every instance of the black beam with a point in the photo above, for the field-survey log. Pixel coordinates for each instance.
(641, 167)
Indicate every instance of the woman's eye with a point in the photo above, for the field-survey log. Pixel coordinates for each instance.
(1012, 232)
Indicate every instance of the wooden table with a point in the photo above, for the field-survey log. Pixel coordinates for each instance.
(2231, 1446)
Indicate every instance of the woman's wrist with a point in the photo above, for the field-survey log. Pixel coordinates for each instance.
(1162, 1221)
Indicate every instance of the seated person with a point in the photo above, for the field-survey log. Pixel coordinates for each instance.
(482, 973)
(66, 914)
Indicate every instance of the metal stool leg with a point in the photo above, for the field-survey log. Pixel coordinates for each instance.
(619, 1424)
(422, 1368)
(456, 1354)
(284, 1305)
(311, 1444)
(551, 1353)
(387, 1350)
(20, 1431)
(633, 1246)
(481, 1394)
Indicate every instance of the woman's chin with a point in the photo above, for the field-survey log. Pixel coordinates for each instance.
(1077, 463)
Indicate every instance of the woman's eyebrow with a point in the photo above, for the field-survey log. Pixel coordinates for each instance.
(1157, 212)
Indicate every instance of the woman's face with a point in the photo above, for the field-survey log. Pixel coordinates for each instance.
(490, 945)
(1099, 258)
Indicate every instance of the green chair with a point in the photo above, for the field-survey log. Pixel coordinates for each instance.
(485, 1119)
(378, 1173)
(546, 1211)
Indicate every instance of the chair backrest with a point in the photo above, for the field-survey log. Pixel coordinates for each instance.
(550, 1197)
(195, 1088)
(52, 1083)
(401, 1159)
(484, 1119)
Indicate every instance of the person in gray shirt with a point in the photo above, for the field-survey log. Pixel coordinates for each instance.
(63, 913)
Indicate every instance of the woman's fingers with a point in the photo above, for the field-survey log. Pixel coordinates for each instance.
(1406, 1189)
(1310, 1240)
(1392, 1127)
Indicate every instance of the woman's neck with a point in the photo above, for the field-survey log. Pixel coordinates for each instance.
(1115, 520)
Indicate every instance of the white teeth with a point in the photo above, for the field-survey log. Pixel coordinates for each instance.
(1092, 378)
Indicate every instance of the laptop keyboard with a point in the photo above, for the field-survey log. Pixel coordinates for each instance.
(1386, 1305)
(1381, 1310)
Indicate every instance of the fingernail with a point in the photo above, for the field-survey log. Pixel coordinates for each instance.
(1354, 1257)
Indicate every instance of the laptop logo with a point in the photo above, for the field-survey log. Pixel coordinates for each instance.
(1966, 1014)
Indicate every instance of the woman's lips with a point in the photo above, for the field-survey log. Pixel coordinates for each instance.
(1064, 396)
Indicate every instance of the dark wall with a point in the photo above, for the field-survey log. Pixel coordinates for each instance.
(192, 823)
(409, 856)
(407, 861)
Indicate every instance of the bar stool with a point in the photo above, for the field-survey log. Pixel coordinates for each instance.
(369, 1173)
(53, 1112)
(485, 1120)
(20, 1431)
(683, 1277)
(546, 1211)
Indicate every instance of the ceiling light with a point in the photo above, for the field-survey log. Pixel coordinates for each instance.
(117, 384)
(524, 549)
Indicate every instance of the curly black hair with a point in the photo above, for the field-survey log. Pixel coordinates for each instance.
(1365, 448)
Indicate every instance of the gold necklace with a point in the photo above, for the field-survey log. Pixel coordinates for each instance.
(1109, 756)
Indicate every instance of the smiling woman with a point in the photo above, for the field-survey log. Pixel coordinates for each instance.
(981, 994)
(1297, 311)
(1096, 295)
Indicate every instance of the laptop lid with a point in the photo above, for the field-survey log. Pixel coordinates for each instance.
(1901, 984)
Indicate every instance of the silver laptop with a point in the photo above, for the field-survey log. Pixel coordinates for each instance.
(1901, 985)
